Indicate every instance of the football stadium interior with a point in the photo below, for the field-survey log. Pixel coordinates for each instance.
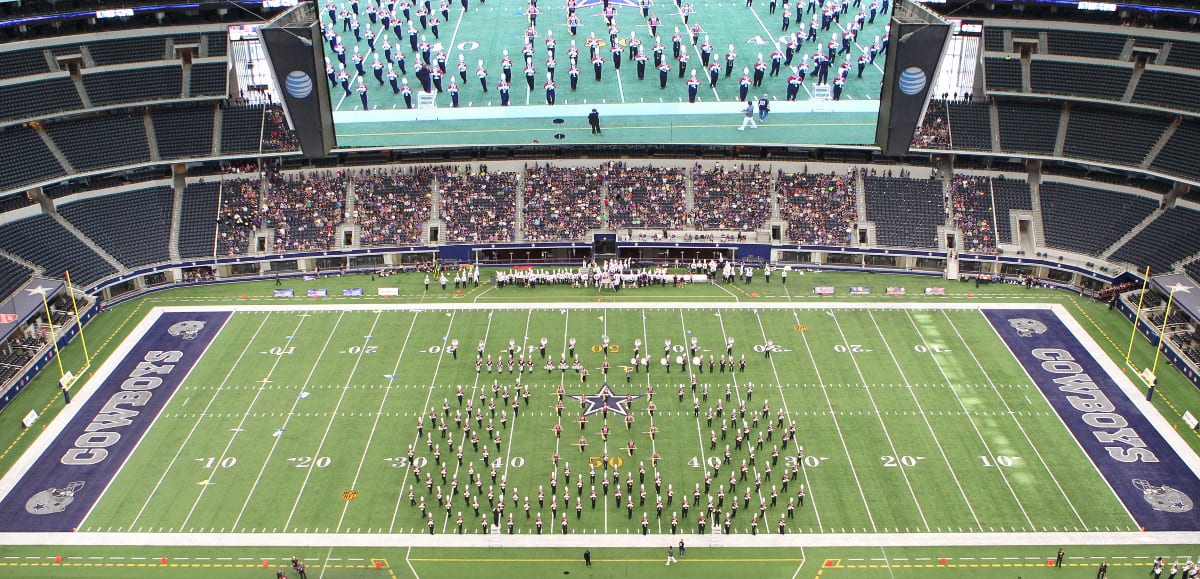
(441, 288)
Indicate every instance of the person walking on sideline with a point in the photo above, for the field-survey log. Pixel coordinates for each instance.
(671, 556)
(594, 121)
(1058, 559)
(748, 117)
(587, 558)
(1102, 571)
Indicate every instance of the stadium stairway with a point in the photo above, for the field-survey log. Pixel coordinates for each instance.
(218, 120)
(151, 139)
(1162, 142)
(77, 79)
(187, 78)
(1035, 196)
(351, 223)
(37, 269)
(994, 120)
(88, 241)
(519, 227)
(58, 154)
(1064, 120)
(860, 196)
(1107, 254)
(179, 182)
(689, 195)
(1133, 78)
(435, 208)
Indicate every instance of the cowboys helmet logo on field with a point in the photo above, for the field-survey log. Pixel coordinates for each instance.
(1164, 498)
(1026, 327)
(52, 500)
(186, 330)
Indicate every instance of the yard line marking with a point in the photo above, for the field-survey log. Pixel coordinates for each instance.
(512, 430)
(882, 424)
(478, 411)
(925, 417)
(1029, 440)
(375, 424)
(321, 445)
(417, 438)
(978, 432)
(767, 418)
(287, 417)
(203, 413)
(232, 437)
(699, 434)
(836, 425)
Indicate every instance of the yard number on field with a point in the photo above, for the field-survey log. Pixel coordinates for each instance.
(905, 460)
(280, 351)
(215, 461)
(308, 461)
(856, 348)
(1000, 460)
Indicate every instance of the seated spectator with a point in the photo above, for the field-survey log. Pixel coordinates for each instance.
(562, 202)
(392, 206)
(305, 210)
(478, 206)
(646, 197)
(734, 199)
(820, 208)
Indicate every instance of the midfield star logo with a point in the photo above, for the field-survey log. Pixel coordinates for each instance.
(606, 399)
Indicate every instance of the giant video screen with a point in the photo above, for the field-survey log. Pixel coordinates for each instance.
(437, 73)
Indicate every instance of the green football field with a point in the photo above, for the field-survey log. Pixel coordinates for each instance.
(637, 110)
(306, 421)
(889, 446)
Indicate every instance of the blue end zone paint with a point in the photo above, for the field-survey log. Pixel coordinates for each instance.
(63, 484)
(1146, 473)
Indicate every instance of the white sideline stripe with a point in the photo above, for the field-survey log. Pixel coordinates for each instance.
(930, 427)
(203, 413)
(661, 306)
(60, 422)
(161, 411)
(1173, 438)
(482, 541)
(1020, 427)
(882, 424)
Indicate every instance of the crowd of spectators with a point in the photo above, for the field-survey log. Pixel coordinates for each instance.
(305, 209)
(562, 202)
(819, 208)
(971, 200)
(392, 205)
(934, 132)
(646, 197)
(478, 206)
(731, 199)
(239, 217)
(276, 134)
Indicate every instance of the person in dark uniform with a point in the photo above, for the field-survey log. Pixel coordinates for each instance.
(1058, 558)
(1103, 570)
(664, 70)
(594, 121)
(503, 88)
(587, 558)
